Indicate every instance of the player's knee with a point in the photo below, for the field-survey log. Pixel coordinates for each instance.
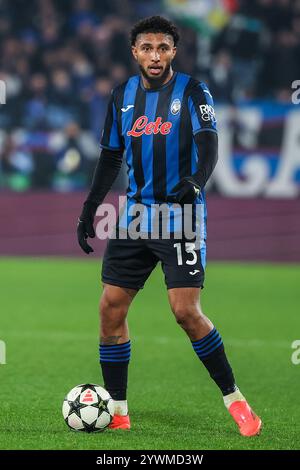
(112, 307)
(186, 315)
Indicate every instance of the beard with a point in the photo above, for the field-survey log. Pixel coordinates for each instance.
(155, 82)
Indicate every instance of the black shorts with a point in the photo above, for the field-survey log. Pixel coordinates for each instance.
(128, 263)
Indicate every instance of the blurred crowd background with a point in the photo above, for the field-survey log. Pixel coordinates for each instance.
(60, 58)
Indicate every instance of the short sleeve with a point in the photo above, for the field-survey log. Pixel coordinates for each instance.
(201, 108)
(111, 138)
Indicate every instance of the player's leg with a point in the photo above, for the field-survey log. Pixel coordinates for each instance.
(205, 339)
(115, 346)
(126, 266)
(114, 305)
(208, 345)
(183, 265)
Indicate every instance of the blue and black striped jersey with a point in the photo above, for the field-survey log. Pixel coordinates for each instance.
(156, 128)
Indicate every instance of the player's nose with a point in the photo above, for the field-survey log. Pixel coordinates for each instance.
(155, 56)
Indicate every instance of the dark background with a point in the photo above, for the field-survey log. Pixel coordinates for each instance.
(59, 61)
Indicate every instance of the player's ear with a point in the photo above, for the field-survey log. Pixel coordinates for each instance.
(134, 51)
(174, 51)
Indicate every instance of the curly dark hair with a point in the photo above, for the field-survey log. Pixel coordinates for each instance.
(154, 24)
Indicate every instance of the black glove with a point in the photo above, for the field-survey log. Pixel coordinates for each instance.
(85, 227)
(187, 190)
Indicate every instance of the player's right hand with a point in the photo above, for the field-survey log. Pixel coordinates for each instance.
(85, 227)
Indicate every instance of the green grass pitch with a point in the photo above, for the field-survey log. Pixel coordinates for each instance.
(49, 322)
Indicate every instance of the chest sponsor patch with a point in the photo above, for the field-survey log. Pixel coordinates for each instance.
(143, 126)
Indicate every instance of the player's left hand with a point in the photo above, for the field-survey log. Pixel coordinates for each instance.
(186, 191)
(85, 227)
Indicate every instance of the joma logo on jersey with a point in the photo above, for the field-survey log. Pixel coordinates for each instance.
(142, 126)
(207, 112)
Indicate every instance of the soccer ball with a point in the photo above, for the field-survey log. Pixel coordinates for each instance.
(88, 407)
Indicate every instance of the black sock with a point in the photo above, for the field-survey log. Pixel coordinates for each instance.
(114, 360)
(210, 351)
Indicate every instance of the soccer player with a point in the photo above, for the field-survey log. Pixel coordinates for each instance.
(165, 122)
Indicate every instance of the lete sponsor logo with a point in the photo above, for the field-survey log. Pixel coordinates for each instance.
(142, 126)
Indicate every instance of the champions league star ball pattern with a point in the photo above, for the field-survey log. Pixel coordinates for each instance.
(88, 407)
